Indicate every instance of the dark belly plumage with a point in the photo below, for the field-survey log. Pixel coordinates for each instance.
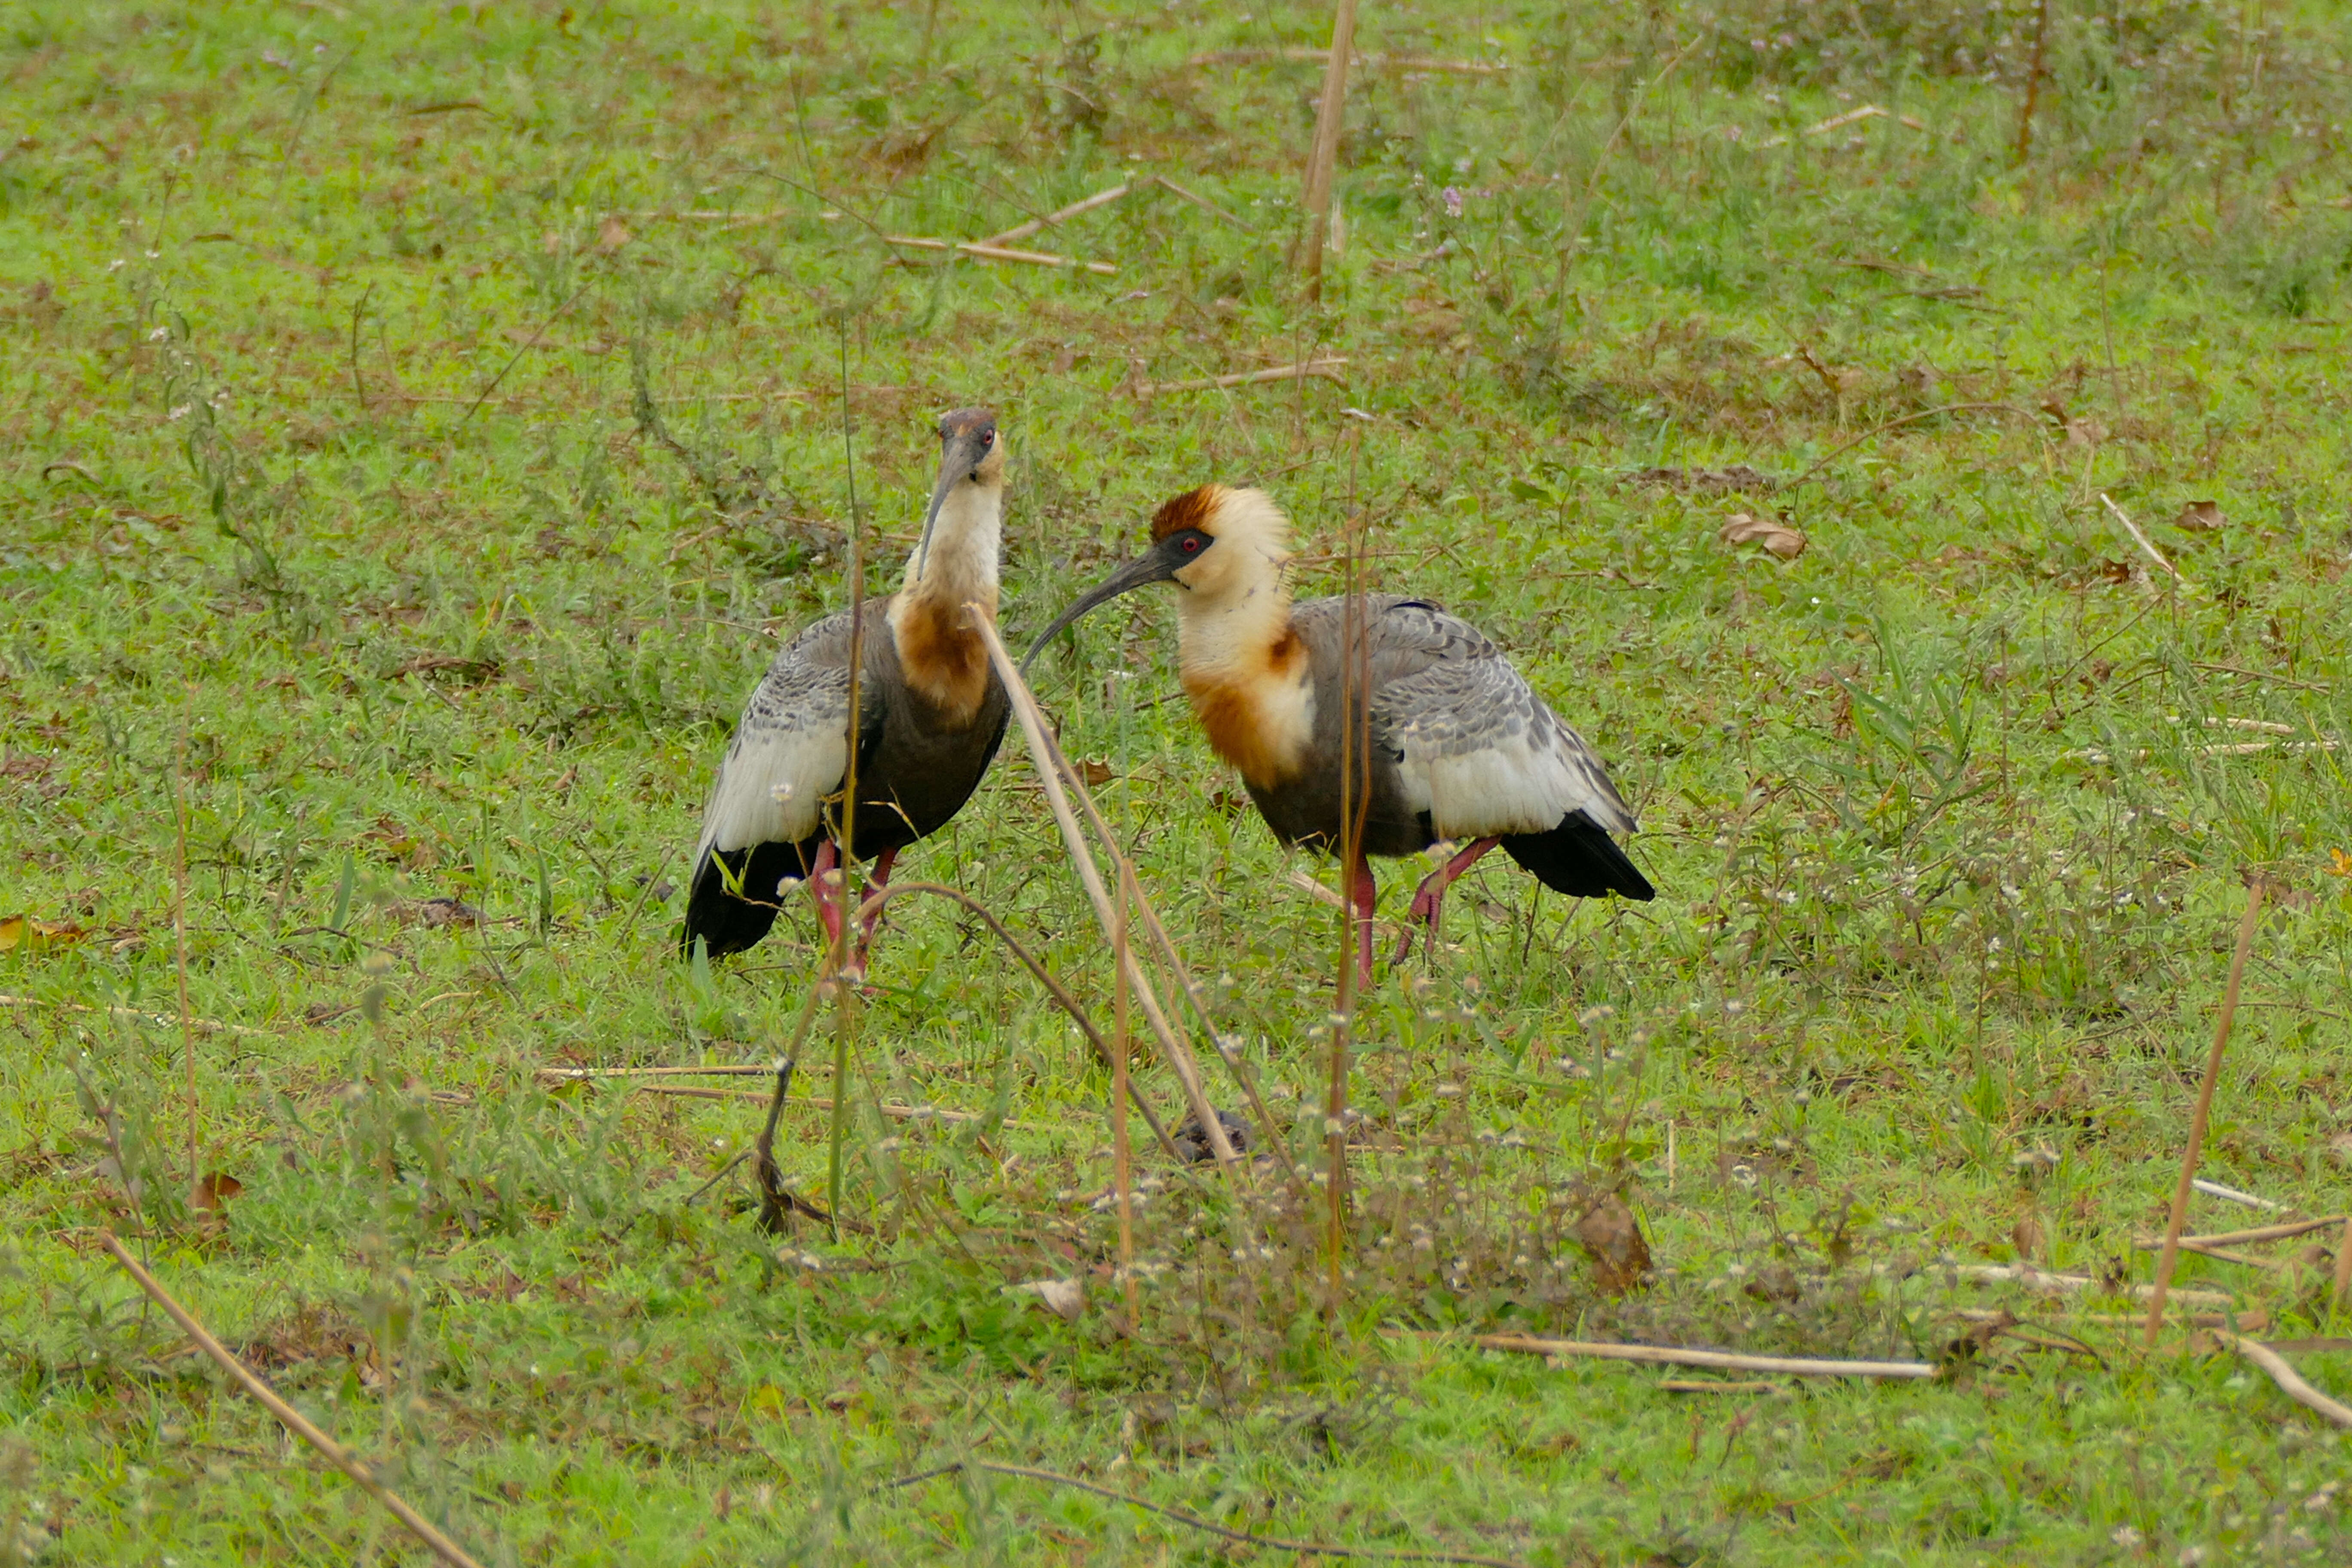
(913, 776)
(1306, 811)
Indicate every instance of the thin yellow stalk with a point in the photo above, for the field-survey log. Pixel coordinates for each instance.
(838, 959)
(1122, 1168)
(2170, 1258)
(1051, 766)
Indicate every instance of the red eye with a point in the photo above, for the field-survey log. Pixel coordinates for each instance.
(1191, 547)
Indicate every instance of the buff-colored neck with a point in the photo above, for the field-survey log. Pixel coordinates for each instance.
(1244, 666)
(966, 538)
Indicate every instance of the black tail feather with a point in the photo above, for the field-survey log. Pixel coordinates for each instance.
(1579, 858)
(727, 922)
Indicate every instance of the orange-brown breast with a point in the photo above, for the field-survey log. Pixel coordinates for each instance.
(1234, 711)
(944, 659)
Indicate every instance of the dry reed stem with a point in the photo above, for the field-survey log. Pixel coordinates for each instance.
(844, 1018)
(2232, 1196)
(983, 252)
(2048, 1283)
(293, 1420)
(1355, 773)
(1323, 156)
(1036, 225)
(1121, 1155)
(1326, 368)
(2261, 1233)
(1045, 753)
(2147, 545)
(2170, 1256)
(1729, 1361)
(1269, 1129)
(2290, 1383)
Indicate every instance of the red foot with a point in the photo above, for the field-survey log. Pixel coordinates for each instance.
(1432, 893)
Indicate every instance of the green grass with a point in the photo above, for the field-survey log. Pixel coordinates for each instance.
(400, 471)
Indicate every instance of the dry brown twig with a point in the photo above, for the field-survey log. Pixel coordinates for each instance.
(293, 1420)
(1038, 225)
(2242, 1238)
(1325, 369)
(2290, 1383)
(1323, 155)
(2147, 545)
(2169, 1259)
(1729, 1361)
(1044, 753)
(981, 251)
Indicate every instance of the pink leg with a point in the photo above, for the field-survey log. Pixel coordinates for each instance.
(1364, 894)
(822, 889)
(876, 883)
(1432, 892)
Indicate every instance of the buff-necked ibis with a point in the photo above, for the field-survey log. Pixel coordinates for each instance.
(930, 712)
(1461, 746)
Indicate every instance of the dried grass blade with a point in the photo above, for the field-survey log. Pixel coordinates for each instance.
(2170, 1258)
(1676, 1355)
(293, 1420)
(2290, 1383)
(1043, 752)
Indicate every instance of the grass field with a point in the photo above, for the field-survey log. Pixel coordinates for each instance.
(419, 424)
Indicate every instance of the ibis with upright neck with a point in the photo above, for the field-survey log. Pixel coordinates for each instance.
(930, 714)
(1451, 744)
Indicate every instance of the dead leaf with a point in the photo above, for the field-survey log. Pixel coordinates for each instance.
(612, 233)
(1612, 1237)
(1230, 802)
(1064, 1298)
(23, 933)
(447, 911)
(1770, 533)
(2084, 432)
(2340, 864)
(2198, 517)
(215, 1188)
(30, 765)
(1094, 772)
(2029, 1238)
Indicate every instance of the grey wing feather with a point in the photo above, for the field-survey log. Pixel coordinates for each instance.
(791, 749)
(1477, 748)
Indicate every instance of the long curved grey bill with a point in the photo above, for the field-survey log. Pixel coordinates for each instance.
(1145, 569)
(959, 456)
